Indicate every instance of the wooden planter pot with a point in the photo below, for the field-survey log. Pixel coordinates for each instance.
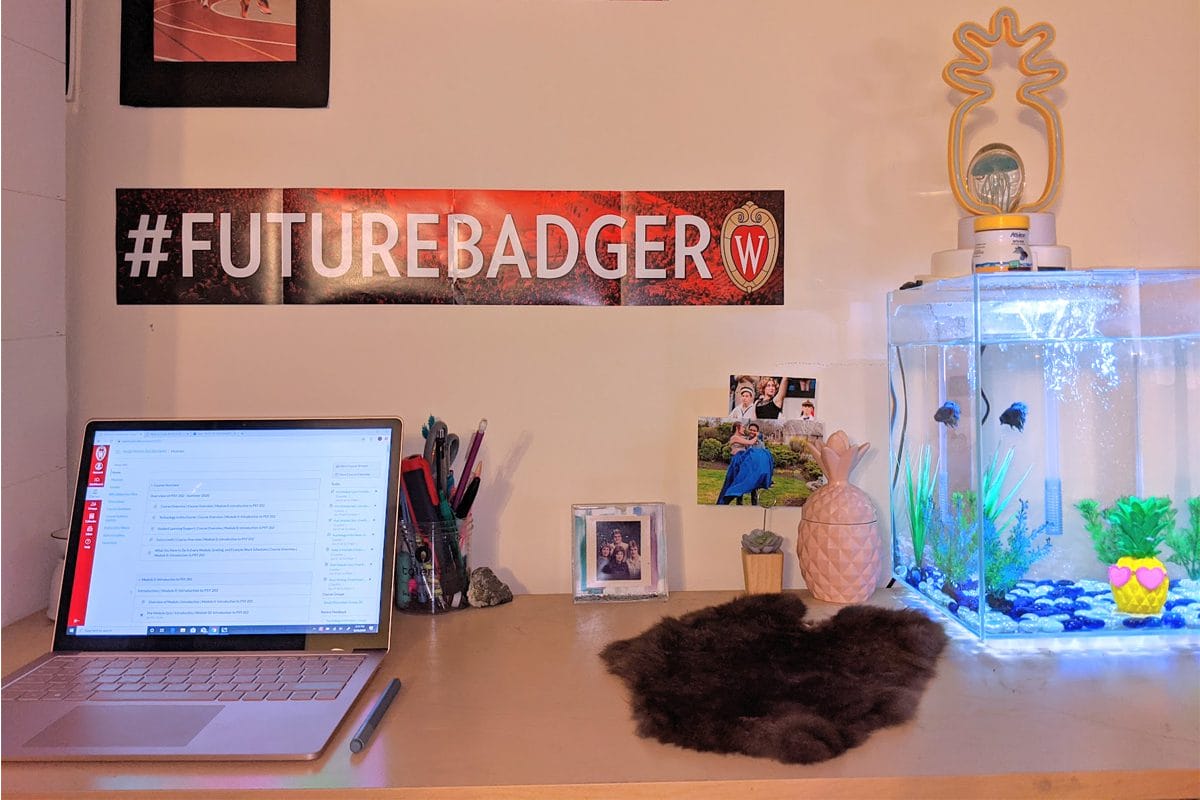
(763, 572)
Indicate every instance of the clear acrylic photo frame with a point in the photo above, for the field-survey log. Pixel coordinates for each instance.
(635, 529)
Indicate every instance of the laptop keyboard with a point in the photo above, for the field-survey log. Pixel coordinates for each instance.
(199, 678)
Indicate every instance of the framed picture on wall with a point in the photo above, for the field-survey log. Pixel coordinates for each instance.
(225, 53)
(619, 552)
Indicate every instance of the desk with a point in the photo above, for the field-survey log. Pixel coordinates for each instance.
(513, 702)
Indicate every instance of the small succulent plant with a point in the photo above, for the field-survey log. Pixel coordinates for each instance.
(760, 540)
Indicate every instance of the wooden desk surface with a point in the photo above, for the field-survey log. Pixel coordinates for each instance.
(513, 702)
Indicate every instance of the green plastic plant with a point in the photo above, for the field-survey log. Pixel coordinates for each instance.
(954, 539)
(954, 542)
(1186, 542)
(919, 493)
(993, 484)
(1005, 561)
(1134, 526)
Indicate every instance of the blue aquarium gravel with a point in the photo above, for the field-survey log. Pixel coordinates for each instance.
(1047, 607)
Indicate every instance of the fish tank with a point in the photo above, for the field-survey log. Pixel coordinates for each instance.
(1045, 450)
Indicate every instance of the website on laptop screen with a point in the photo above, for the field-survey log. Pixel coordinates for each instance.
(227, 532)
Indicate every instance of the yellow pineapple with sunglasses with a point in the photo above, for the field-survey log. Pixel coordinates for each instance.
(1127, 538)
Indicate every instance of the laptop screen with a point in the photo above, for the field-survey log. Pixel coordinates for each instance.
(232, 529)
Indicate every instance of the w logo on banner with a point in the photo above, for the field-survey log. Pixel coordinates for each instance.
(749, 246)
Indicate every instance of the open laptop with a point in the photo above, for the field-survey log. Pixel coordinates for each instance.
(227, 592)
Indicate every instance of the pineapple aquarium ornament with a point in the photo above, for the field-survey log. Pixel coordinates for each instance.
(1127, 538)
(838, 540)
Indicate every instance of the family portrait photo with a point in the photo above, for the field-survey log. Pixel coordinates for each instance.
(618, 551)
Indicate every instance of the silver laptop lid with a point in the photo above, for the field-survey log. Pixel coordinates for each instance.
(232, 535)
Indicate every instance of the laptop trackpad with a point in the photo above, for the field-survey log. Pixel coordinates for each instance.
(126, 726)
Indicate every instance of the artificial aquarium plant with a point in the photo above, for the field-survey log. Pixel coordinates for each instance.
(993, 484)
(1186, 542)
(1007, 559)
(1127, 537)
(919, 493)
(952, 533)
(954, 542)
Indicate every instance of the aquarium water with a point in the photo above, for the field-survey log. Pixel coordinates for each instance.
(1044, 465)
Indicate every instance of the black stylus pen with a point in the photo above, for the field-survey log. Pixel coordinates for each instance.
(363, 737)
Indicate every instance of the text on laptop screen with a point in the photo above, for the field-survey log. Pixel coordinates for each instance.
(226, 532)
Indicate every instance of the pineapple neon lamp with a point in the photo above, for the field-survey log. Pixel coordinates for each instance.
(993, 180)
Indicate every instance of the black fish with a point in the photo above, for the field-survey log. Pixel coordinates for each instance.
(1014, 416)
(947, 414)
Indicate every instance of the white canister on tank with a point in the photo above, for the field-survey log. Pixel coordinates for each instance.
(1002, 244)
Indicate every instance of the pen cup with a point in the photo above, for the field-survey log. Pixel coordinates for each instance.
(431, 570)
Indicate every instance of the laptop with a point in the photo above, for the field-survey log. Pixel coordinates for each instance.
(227, 592)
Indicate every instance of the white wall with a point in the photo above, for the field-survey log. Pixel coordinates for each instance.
(34, 342)
(841, 105)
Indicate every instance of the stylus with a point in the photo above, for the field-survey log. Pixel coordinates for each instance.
(363, 737)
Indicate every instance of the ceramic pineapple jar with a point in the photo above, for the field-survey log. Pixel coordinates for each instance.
(838, 539)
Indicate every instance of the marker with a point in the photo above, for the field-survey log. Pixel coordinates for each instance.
(464, 505)
(363, 737)
(440, 468)
(472, 452)
(420, 489)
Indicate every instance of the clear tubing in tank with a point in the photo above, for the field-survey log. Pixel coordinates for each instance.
(943, 478)
(1185, 353)
(1054, 519)
(1138, 476)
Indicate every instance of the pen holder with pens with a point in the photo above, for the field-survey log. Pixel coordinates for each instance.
(431, 568)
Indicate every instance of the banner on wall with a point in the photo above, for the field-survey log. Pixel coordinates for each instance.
(472, 247)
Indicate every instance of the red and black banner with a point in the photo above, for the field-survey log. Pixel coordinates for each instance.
(447, 246)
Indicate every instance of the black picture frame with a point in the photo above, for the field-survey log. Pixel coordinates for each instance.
(303, 83)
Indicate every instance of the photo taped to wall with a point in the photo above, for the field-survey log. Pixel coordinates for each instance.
(757, 462)
(771, 397)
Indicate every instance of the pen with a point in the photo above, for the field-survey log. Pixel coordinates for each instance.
(363, 737)
(472, 452)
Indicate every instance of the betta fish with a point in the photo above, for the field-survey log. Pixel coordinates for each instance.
(1014, 416)
(947, 414)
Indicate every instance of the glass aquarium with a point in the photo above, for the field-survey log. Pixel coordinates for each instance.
(1045, 450)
